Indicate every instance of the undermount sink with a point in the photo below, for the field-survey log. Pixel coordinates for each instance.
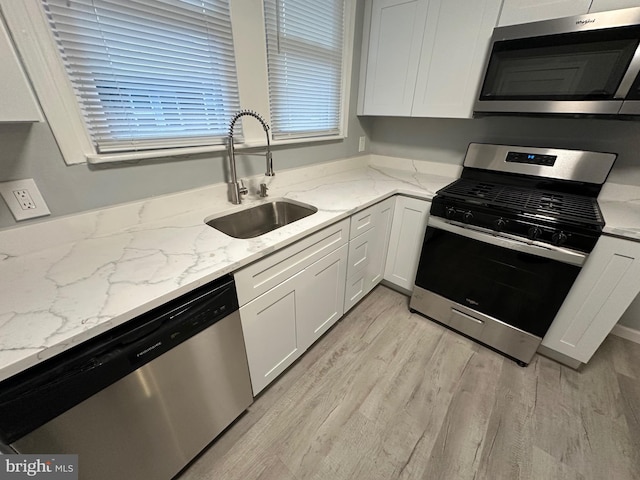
(266, 217)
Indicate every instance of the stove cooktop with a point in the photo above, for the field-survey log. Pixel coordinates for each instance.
(536, 194)
(546, 205)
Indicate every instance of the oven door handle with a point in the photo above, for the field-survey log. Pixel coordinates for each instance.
(553, 253)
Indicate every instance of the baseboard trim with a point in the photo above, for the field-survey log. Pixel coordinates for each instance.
(625, 332)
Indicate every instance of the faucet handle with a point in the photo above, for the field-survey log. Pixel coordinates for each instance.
(263, 190)
(242, 190)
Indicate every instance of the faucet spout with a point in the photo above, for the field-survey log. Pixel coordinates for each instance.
(236, 188)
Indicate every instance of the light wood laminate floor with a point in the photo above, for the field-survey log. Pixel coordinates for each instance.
(387, 394)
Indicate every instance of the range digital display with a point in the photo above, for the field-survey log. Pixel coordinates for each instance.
(531, 158)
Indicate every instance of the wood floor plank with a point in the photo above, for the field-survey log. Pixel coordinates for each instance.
(544, 466)
(431, 397)
(630, 397)
(390, 395)
(624, 355)
(507, 451)
(457, 450)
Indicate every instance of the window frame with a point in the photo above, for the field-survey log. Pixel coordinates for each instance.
(300, 52)
(34, 41)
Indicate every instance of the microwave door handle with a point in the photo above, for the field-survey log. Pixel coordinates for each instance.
(630, 76)
(552, 253)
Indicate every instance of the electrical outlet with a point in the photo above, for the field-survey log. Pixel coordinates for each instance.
(361, 144)
(24, 199)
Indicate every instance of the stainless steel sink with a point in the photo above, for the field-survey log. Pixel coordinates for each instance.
(255, 221)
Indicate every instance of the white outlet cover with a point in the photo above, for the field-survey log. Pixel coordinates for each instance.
(19, 213)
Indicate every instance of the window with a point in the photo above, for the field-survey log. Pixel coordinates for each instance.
(149, 75)
(305, 66)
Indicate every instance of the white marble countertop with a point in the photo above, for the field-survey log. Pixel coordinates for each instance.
(69, 279)
(620, 206)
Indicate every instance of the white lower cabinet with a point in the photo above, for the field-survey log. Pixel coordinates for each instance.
(605, 288)
(282, 323)
(269, 327)
(368, 245)
(321, 296)
(405, 243)
(290, 298)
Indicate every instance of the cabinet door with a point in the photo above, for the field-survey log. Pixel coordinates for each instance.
(17, 102)
(380, 247)
(605, 288)
(605, 5)
(405, 243)
(269, 328)
(524, 11)
(321, 295)
(454, 51)
(395, 39)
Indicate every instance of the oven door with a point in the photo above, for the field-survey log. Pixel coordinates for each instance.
(468, 277)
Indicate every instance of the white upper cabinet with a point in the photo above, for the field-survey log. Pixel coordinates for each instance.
(453, 56)
(525, 11)
(604, 5)
(424, 58)
(17, 102)
(395, 39)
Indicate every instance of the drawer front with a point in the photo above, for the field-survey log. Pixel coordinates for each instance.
(257, 278)
(360, 251)
(355, 290)
(362, 221)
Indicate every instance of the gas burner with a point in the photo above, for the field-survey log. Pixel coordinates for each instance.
(505, 196)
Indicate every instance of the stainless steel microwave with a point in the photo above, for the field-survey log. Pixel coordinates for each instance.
(581, 65)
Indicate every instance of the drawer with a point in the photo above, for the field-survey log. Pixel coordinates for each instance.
(360, 250)
(466, 323)
(257, 278)
(355, 290)
(363, 221)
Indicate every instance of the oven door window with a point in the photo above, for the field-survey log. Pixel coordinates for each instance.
(574, 66)
(520, 289)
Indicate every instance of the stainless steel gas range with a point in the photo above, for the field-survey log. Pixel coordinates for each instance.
(505, 242)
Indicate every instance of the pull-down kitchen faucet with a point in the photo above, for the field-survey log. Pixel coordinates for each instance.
(237, 188)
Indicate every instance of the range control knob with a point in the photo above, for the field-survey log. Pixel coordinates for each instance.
(450, 212)
(467, 217)
(499, 224)
(559, 238)
(534, 232)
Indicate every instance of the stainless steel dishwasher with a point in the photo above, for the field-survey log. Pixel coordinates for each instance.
(141, 400)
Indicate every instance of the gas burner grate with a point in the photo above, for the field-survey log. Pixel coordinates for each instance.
(543, 203)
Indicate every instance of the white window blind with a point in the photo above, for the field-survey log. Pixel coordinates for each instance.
(149, 74)
(304, 52)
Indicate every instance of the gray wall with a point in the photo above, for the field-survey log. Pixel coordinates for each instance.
(30, 151)
(446, 140)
